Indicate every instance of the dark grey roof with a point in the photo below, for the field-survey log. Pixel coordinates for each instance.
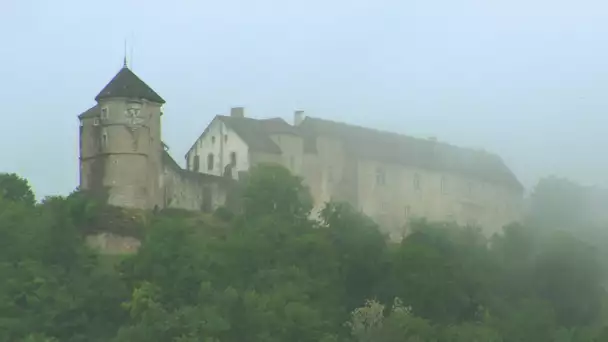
(256, 133)
(396, 148)
(89, 113)
(127, 84)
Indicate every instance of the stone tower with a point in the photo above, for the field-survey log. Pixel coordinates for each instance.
(120, 143)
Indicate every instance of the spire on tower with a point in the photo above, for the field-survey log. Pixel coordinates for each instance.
(124, 63)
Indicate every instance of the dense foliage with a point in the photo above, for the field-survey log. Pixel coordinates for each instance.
(270, 274)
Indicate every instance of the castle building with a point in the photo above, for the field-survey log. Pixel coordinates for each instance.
(124, 161)
(390, 177)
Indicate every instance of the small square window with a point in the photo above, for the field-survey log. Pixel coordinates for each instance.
(96, 122)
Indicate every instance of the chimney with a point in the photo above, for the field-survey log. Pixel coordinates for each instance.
(298, 117)
(237, 112)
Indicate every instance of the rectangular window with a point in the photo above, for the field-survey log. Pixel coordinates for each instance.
(380, 176)
(104, 113)
(104, 139)
(210, 161)
(233, 158)
(196, 163)
(96, 122)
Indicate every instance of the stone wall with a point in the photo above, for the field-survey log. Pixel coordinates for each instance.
(109, 243)
(183, 189)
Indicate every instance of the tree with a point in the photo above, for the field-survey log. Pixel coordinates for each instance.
(360, 249)
(442, 271)
(557, 204)
(16, 189)
(272, 190)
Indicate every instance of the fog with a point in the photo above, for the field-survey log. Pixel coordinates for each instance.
(526, 80)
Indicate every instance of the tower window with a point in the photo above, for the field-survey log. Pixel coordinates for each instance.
(196, 163)
(210, 161)
(225, 137)
(104, 113)
(96, 122)
(233, 158)
(213, 139)
(104, 139)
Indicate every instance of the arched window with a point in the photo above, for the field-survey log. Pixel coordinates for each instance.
(210, 161)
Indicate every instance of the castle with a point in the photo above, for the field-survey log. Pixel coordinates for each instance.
(390, 177)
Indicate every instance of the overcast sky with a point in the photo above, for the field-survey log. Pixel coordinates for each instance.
(525, 79)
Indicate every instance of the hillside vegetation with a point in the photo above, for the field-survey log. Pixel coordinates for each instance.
(269, 274)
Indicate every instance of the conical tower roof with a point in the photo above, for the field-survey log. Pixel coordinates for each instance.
(127, 84)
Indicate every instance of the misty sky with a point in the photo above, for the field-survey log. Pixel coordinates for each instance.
(525, 79)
